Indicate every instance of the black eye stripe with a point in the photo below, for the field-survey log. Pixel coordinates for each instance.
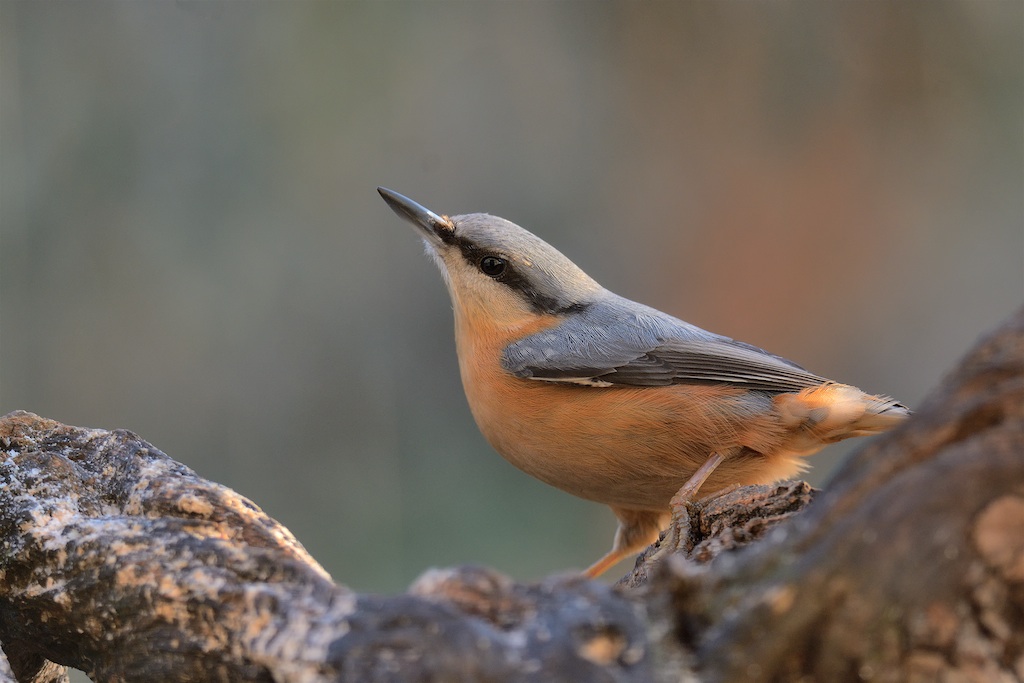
(512, 278)
(477, 256)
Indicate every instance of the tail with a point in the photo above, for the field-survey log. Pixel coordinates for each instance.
(880, 414)
(832, 412)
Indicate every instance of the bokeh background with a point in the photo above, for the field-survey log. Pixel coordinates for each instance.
(191, 246)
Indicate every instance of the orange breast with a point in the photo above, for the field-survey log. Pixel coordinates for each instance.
(630, 447)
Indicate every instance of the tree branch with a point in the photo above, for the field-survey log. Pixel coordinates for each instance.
(910, 566)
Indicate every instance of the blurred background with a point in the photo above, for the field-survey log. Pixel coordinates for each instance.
(191, 246)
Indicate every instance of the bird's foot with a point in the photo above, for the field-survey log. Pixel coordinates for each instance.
(685, 508)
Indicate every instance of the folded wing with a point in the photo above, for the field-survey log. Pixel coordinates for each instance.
(618, 342)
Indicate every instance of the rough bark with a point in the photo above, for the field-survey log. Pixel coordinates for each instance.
(117, 560)
(908, 567)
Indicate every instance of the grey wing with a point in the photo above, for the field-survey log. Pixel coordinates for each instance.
(619, 342)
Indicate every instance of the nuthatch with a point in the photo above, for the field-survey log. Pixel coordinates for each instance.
(614, 401)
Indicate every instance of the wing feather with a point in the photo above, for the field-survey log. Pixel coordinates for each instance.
(618, 342)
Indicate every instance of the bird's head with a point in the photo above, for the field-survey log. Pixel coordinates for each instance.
(495, 268)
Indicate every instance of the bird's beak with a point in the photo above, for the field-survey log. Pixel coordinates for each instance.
(436, 229)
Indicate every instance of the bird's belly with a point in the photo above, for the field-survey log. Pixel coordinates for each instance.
(630, 447)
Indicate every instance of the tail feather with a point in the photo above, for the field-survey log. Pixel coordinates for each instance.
(881, 413)
(832, 412)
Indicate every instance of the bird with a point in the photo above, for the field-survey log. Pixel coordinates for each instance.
(614, 401)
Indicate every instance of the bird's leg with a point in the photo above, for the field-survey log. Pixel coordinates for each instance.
(686, 494)
(681, 502)
(637, 530)
(640, 528)
(606, 562)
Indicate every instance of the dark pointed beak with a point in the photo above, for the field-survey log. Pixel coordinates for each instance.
(436, 228)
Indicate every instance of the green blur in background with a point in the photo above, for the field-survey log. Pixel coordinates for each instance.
(192, 247)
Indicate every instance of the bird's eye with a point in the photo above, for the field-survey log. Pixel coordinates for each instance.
(493, 266)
